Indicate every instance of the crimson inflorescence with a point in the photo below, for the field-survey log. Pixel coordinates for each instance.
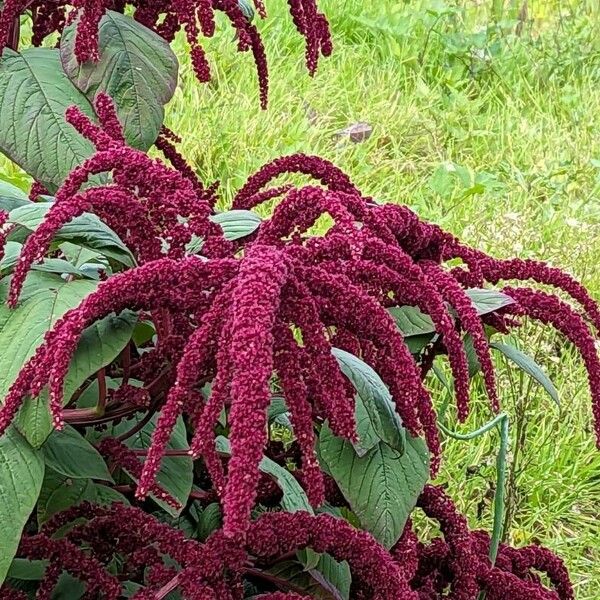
(195, 17)
(261, 315)
(453, 565)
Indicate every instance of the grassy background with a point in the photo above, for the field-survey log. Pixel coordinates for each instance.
(492, 135)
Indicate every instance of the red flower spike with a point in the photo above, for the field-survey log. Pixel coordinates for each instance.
(255, 303)
(320, 169)
(550, 310)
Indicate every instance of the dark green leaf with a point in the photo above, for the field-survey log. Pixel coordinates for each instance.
(411, 321)
(176, 472)
(382, 487)
(34, 95)
(21, 476)
(529, 366)
(70, 454)
(294, 498)
(106, 495)
(333, 576)
(49, 265)
(382, 422)
(68, 588)
(208, 521)
(137, 69)
(295, 573)
(59, 493)
(28, 570)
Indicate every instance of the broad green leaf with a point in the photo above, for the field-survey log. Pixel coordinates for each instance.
(411, 321)
(415, 324)
(294, 498)
(87, 230)
(98, 346)
(11, 196)
(176, 472)
(333, 576)
(381, 416)
(71, 493)
(381, 487)
(529, 366)
(28, 570)
(137, 69)
(106, 495)
(44, 299)
(237, 224)
(70, 454)
(34, 95)
(49, 265)
(486, 301)
(21, 476)
(68, 588)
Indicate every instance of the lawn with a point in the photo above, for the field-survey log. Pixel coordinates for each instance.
(492, 135)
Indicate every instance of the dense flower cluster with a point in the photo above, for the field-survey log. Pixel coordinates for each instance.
(262, 314)
(159, 557)
(195, 17)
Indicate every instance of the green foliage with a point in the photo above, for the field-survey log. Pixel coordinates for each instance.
(137, 68)
(34, 95)
(21, 474)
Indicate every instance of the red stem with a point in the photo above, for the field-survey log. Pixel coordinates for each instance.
(102, 395)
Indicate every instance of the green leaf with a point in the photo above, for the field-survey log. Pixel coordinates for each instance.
(295, 573)
(21, 476)
(176, 472)
(382, 422)
(294, 498)
(237, 224)
(87, 230)
(70, 454)
(44, 299)
(529, 366)
(106, 495)
(209, 521)
(137, 69)
(11, 196)
(411, 321)
(59, 493)
(49, 265)
(98, 346)
(34, 95)
(381, 487)
(487, 301)
(27, 570)
(333, 576)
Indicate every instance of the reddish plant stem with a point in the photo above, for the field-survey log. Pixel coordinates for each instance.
(102, 395)
(126, 362)
(15, 33)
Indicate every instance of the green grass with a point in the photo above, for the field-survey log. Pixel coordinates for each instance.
(492, 136)
(496, 143)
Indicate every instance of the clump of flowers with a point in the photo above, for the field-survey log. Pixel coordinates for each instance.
(256, 317)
